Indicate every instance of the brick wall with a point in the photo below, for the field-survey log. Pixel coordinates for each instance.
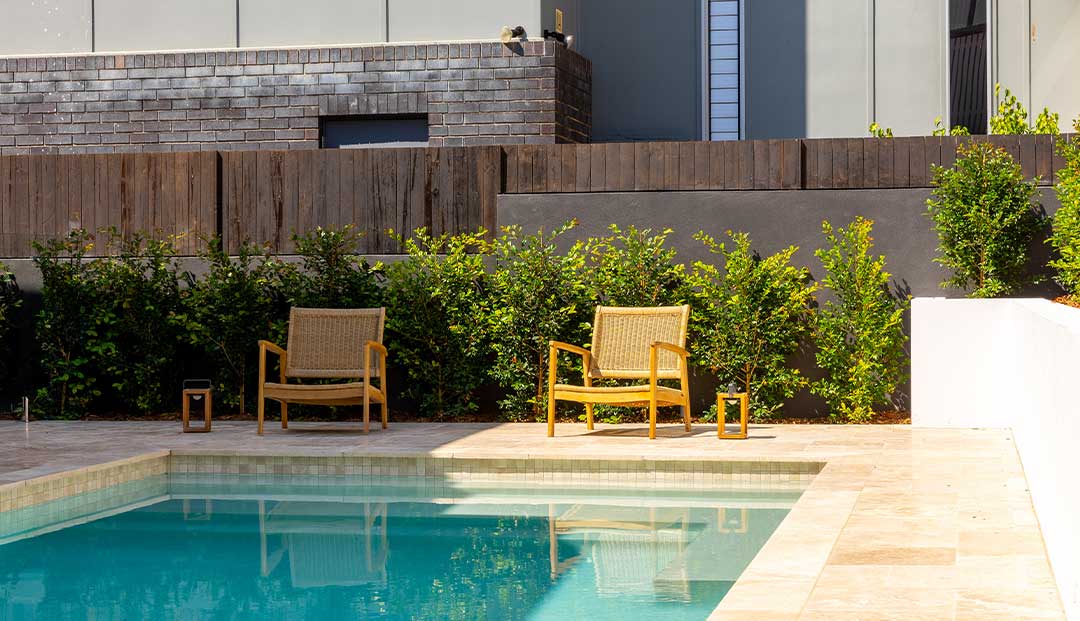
(479, 93)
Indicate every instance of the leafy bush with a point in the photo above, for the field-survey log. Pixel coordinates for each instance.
(983, 213)
(538, 294)
(224, 313)
(104, 328)
(333, 275)
(1012, 117)
(1066, 235)
(877, 131)
(10, 301)
(436, 306)
(748, 318)
(634, 268)
(941, 130)
(859, 333)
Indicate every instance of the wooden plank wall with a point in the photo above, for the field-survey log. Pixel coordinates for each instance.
(835, 163)
(266, 196)
(47, 196)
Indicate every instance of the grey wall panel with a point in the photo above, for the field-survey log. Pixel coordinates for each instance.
(458, 20)
(313, 22)
(571, 16)
(54, 27)
(143, 25)
(837, 68)
(911, 56)
(1055, 55)
(647, 73)
(776, 68)
(1011, 48)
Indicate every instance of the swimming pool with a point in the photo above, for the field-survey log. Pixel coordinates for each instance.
(195, 546)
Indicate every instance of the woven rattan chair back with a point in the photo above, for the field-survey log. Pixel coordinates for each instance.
(329, 342)
(622, 337)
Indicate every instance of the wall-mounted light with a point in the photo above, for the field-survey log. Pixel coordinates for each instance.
(509, 33)
(565, 39)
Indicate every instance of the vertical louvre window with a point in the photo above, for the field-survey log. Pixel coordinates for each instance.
(724, 69)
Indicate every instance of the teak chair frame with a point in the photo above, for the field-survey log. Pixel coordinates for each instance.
(664, 332)
(342, 349)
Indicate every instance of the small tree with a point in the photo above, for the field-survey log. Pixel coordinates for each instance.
(749, 318)
(985, 220)
(436, 302)
(538, 294)
(634, 268)
(226, 312)
(859, 332)
(1066, 235)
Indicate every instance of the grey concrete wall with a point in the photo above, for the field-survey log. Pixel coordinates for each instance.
(647, 78)
(144, 25)
(829, 68)
(58, 26)
(774, 220)
(265, 23)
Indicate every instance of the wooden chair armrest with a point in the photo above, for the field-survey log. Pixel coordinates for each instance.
(574, 349)
(377, 347)
(268, 346)
(672, 348)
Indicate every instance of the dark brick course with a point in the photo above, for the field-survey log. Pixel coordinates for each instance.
(481, 93)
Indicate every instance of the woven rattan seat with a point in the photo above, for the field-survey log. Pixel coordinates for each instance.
(328, 344)
(629, 343)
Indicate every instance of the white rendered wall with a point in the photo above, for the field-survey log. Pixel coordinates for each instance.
(1011, 363)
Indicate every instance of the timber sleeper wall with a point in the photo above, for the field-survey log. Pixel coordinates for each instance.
(265, 196)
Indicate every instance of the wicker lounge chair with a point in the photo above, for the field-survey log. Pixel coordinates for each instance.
(328, 344)
(629, 343)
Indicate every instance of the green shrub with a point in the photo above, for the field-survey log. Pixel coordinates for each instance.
(1066, 235)
(1012, 117)
(877, 131)
(984, 217)
(634, 268)
(10, 301)
(224, 313)
(538, 294)
(436, 307)
(332, 274)
(104, 329)
(748, 318)
(859, 332)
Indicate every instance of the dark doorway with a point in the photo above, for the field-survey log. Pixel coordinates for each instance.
(967, 64)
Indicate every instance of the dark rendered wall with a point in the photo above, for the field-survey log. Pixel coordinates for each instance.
(773, 219)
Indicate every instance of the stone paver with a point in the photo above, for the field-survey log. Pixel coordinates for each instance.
(902, 523)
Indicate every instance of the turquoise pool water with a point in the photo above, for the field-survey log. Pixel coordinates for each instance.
(197, 547)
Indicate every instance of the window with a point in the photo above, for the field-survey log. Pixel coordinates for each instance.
(967, 64)
(377, 131)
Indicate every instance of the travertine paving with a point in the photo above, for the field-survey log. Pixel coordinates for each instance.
(902, 523)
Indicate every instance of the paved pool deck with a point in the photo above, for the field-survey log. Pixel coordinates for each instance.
(902, 523)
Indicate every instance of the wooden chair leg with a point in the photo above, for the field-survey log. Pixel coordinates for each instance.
(551, 412)
(262, 408)
(589, 416)
(284, 415)
(686, 416)
(367, 411)
(652, 415)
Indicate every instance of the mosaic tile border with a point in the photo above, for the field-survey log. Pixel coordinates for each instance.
(678, 473)
(36, 491)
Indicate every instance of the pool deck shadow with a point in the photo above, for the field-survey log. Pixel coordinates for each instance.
(901, 523)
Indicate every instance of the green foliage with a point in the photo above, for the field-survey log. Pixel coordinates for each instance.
(878, 131)
(634, 268)
(748, 318)
(538, 294)
(333, 275)
(103, 328)
(983, 213)
(859, 332)
(10, 301)
(1066, 235)
(437, 303)
(1012, 117)
(941, 130)
(224, 313)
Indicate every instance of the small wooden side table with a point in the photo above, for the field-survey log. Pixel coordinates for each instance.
(722, 399)
(197, 394)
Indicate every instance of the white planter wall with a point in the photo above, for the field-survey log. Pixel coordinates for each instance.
(1016, 364)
